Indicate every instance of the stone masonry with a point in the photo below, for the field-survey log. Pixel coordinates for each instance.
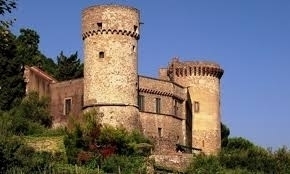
(181, 106)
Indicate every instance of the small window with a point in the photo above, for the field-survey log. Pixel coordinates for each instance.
(175, 107)
(141, 103)
(82, 100)
(196, 107)
(67, 106)
(134, 49)
(101, 54)
(159, 132)
(100, 25)
(158, 101)
(202, 143)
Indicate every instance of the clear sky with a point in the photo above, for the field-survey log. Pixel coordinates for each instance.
(250, 39)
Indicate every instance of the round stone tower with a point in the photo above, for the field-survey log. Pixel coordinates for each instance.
(202, 80)
(110, 36)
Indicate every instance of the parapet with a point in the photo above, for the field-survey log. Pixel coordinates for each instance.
(194, 68)
(110, 19)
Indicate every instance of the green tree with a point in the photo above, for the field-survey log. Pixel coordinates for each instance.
(28, 51)
(27, 47)
(69, 67)
(35, 108)
(6, 6)
(12, 85)
(225, 132)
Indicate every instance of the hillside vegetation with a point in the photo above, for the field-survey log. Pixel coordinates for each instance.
(29, 145)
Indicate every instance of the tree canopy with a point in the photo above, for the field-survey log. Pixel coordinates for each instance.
(6, 6)
(69, 67)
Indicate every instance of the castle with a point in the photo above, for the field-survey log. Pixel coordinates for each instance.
(181, 106)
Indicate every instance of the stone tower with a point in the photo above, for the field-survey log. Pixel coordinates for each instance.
(110, 36)
(202, 80)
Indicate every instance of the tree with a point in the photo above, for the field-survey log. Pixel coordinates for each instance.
(6, 6)
(12, 85)
(69, 67)
(27, 47)
(225, 132)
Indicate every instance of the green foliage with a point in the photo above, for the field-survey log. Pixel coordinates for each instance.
(12, 86)
(69, 67)
(241, 156)
(88, 143)
(27, 47)
(282, 160)
(124, 164)
(35, 108)
(238, 143)
(14, 155)
(125, 143)
(205, 164)
(6, 6)
(225, 132)
(30, 117)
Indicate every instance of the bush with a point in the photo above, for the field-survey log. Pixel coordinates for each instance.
(17, 125)
(34, 108)
(205, 164)
(282, 160)
(16, 156)
(124, 164)
(88, 143)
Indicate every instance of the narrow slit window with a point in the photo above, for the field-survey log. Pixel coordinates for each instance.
(141, 102)
(159, 132)
(175, 107)
(158, 107)
(67, 106)
(134, 49)
(196, 107)
(100, 25)
(102, 54)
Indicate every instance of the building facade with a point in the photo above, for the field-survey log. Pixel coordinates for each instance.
(181, 106)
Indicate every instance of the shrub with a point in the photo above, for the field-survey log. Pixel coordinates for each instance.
(16, 156)
(205, 164)
(34, 108)
(124, 164)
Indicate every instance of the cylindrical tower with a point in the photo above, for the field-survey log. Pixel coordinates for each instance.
(202, 80)
(110, 36)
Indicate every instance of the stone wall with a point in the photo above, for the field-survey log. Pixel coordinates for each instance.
(171, 118)
(165, 130)
(72, 89)
(37, 80)
(202, 80)
(110, 34)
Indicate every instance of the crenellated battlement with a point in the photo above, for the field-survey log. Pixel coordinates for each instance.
(194, 68)
(111, 31)
(124, 7)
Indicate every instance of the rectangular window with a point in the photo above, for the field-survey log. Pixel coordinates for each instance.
(175, 107)
(158, 102)
(100, 25)
(101, 54)
(160, 132)
(67, 106)
(82, 100)
(196, 107)
(141, 103)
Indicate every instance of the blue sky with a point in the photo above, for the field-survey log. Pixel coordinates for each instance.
(250, 39)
